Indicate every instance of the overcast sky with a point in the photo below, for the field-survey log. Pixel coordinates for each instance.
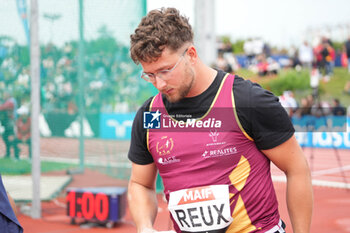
(279, 22)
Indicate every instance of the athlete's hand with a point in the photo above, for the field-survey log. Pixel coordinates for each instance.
(149, 230)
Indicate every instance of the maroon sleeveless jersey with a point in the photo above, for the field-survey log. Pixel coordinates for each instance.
(215, 150)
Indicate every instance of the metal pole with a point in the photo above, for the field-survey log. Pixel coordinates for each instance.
(35, 108)
(205, 35)
(144, 7)
(81, 84)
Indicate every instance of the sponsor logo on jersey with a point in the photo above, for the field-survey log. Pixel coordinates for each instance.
(219, 152)
(164, 148)
(168, 160)
(201, 209)
(196, 195)
(214, 137)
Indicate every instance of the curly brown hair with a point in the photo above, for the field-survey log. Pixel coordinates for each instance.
(160, 28)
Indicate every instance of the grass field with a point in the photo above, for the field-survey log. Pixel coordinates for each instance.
(9, 166)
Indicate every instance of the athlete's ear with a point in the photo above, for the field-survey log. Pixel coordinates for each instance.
(192, 54)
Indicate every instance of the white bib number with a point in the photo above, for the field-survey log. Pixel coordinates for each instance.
(201, 209)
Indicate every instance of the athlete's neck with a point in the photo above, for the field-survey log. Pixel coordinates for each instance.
(204, 77)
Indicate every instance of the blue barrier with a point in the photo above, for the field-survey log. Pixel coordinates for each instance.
(116, 126)
(280, 58)
(243, 60)
(323, 132)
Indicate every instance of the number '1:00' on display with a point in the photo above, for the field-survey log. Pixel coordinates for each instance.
(88, 205)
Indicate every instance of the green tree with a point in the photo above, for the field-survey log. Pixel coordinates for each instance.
(237, 46)
(104, 43)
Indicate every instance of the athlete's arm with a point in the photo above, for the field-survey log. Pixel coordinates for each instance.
(289, 157)
(142, 198)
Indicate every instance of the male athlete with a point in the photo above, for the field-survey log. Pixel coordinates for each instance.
(211, 136)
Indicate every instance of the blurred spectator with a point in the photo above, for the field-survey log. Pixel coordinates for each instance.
(330, 59)
(317, 54)
(289, 103)
(225, 47)
(315, 80)
(23, 78)
(222, 64)
(320, 109)
(265, 66)
(232, 61)
(304, 108)
(306, 55)
(248, 48)
(273, 66)
(325, 56)
(226, 60)
(8, 118)
(72, 107)
(344, 59)
(23, 128)
(267, 50)
(338, 109)
(68, 50)
(258, 46)
(262, 65)
(347, 50)
(294, 58)
(310, 100)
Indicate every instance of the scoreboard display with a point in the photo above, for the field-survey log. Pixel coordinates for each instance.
(102, 204)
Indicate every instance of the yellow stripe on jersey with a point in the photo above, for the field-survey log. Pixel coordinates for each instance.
(237, 119)
(147, 134)
(241, 221)
(238, 177)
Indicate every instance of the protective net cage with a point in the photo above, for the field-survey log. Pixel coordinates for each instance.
(111, 89)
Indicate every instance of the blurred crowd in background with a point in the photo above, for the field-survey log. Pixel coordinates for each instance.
(111, 79)
(259, 57)
(319, 58)
(311, 106)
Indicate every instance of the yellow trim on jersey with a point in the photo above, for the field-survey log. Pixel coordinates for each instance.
(147, 134)
(240, 174)
(212, 104)
(237, 119)
(241, 220)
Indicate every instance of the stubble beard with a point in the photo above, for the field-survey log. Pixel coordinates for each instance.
(184, 89)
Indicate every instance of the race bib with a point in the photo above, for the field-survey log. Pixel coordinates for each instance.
(202, 209)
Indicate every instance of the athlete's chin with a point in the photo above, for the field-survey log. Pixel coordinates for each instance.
(172, 98)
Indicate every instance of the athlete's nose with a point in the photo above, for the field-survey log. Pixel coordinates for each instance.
(160, 84)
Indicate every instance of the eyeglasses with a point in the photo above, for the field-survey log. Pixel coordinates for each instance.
(163, 74)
